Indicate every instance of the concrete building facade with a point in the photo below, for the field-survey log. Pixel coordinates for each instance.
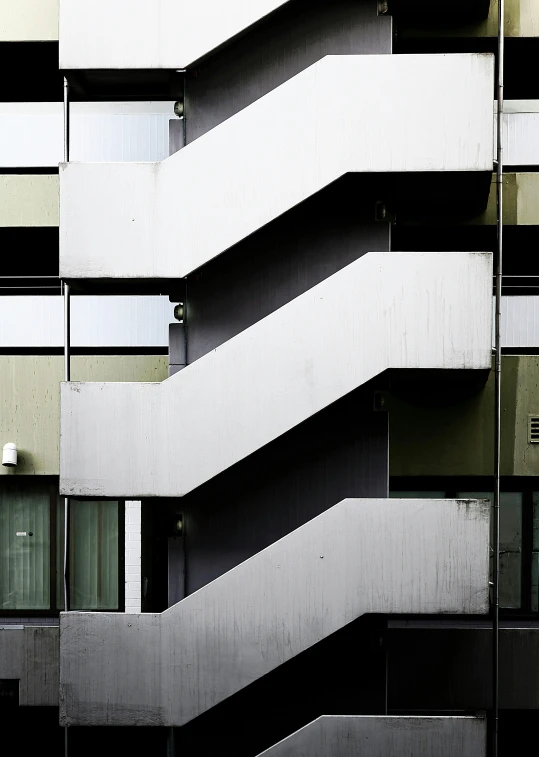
(257, 518)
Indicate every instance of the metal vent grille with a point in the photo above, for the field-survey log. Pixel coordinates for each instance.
(533, 429)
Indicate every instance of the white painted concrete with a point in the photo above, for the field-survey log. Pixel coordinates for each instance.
(520, 322)
(521, 132)
(151, 33)
(133, 556)
(360, 556)
(28, 20)
(380, 736)
(385, 310)
(164, 220)
(115, 321)
(521, 143)
(32, 136)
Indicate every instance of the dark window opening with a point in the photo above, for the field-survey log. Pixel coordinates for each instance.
(31, 550)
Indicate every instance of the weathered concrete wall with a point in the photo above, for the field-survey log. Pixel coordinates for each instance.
(27, 200)
(437, 433)
(376, 313)
(28, 20)
(446, 669)
(30, 400)
(361, 556)
(349, 736)
(160, 34)
(32, 654)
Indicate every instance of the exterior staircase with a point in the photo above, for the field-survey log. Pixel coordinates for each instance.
(360, 556)
(385, 310)
(380, 114)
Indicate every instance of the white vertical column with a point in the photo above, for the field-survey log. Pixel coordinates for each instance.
(133, 578)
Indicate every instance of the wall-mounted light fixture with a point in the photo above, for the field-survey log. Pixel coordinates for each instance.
(178, 525)
(9, 455)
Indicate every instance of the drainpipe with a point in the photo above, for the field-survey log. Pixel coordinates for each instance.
(497, 385)
(67, 377)
(66, 121)
(67, 355)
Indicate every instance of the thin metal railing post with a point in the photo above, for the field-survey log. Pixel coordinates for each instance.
(497, 386)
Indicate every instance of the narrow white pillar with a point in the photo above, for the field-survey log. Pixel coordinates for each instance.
(133, 577)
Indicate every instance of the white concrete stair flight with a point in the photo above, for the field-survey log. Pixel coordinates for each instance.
(380, 736)
(385, 310)
(344, 114)
(361, 556)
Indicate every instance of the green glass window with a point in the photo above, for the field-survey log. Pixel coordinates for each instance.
(535, 555)
(32, 549)
(24, 546)
(93, 555)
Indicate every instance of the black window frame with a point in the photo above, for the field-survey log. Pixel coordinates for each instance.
(53, 612)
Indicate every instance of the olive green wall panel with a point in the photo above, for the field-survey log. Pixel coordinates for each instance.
(526, 455)
(430, 435)
(29, 200)
(451, 435)
(30, 400)
(28, 20)
(520, 206)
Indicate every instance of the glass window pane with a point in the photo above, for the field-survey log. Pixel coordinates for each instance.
(535, 554)
(24, 546)
(510, 544)
(536, 520)
(535, 582)
(93, 555)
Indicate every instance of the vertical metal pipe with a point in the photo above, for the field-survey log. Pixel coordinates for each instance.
(497, 386)
(67, 362)
(67, 377)
(67, 333)
(66, 554)
(66, 121)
